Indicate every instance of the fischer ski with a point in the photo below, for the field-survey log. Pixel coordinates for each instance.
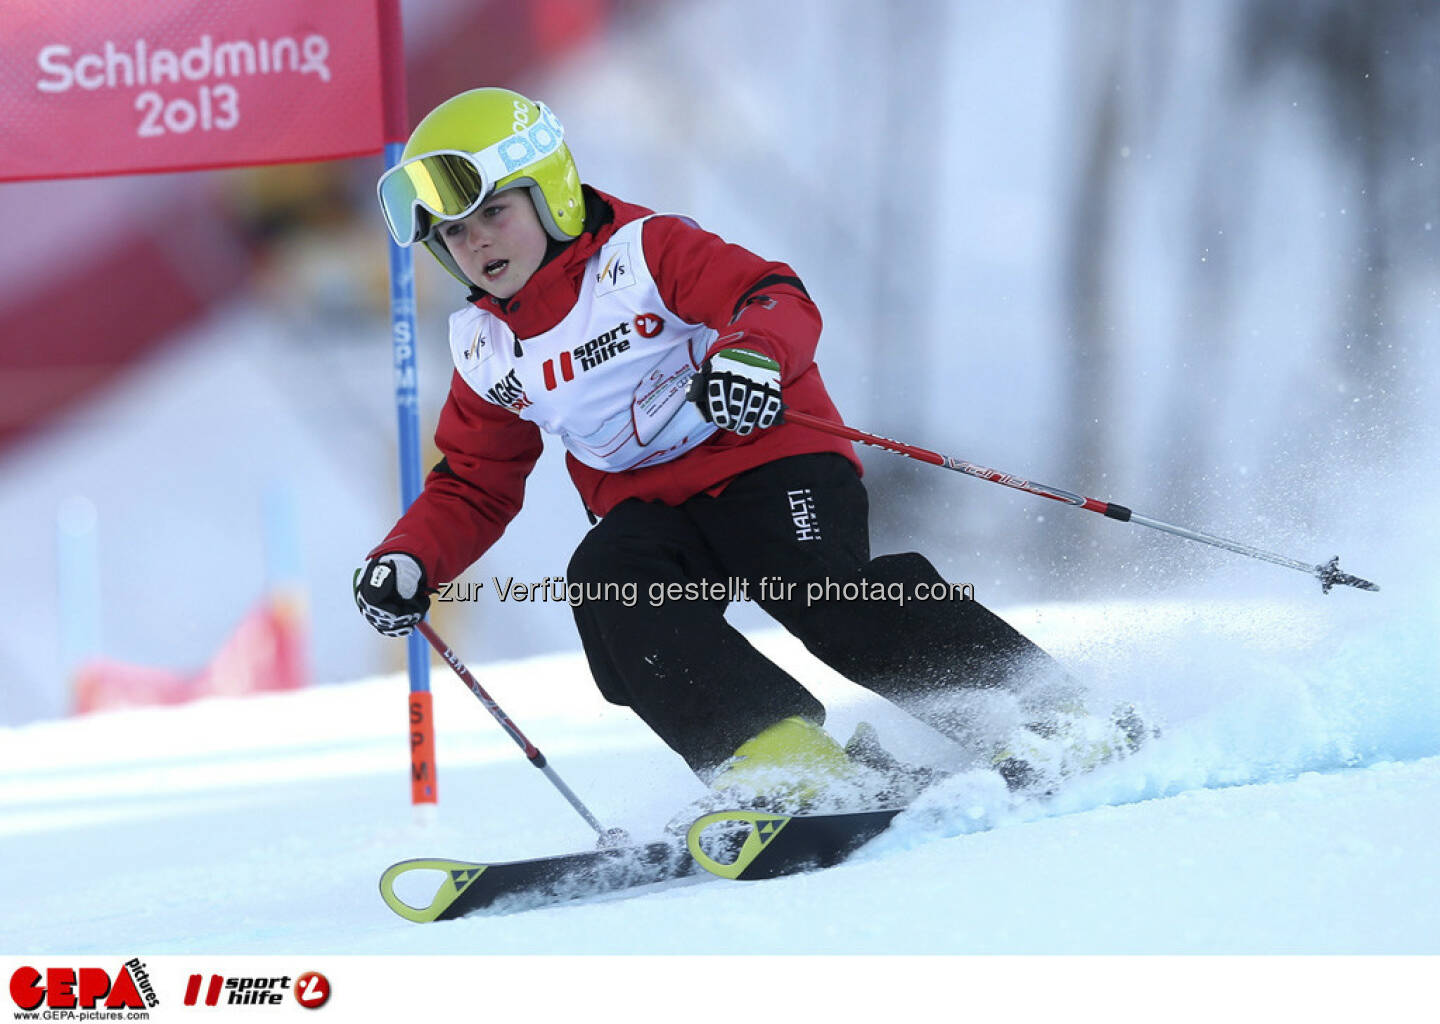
(748, 845)
(468, 888)
(735, 844)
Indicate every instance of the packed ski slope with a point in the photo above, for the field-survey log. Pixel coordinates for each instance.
(1289, 807)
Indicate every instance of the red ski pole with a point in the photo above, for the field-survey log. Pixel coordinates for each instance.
(1328, 574)
(608, 837)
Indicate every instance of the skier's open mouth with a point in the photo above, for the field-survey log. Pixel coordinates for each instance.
(495, 268)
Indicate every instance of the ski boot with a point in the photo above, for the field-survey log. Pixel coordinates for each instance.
(790, 768)
(1066, 742)
(897, 783)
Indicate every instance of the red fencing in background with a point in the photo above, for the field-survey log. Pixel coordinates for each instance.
(266, 652)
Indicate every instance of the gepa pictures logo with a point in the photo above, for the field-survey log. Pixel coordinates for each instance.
(83, 988)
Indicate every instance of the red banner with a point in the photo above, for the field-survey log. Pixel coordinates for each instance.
(98, 88)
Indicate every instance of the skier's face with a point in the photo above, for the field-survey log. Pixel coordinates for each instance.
(499, 245)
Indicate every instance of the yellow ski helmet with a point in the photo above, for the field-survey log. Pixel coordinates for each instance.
(471, 146)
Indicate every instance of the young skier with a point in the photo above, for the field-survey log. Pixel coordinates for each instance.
(663, 357)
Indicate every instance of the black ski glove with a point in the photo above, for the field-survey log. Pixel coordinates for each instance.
(390, 593)
(737, 389)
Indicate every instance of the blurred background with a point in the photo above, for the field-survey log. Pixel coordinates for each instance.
(1179, 254)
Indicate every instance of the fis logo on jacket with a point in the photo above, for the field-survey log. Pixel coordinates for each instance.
(614, 271)
(478, 347)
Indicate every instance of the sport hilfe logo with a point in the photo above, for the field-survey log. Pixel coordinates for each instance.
(593, 353)
(599, 349)
(69, 988)
(311, 990)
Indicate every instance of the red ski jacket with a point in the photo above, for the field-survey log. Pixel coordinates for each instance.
(479, 486)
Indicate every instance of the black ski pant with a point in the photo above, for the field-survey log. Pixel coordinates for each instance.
(775, 534)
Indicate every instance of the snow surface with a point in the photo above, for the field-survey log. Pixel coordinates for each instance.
(1289, 807)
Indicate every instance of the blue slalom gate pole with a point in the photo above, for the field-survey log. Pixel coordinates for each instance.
(424, 789)
(424, 785)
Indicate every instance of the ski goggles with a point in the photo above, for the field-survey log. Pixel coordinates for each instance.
(451, 183)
